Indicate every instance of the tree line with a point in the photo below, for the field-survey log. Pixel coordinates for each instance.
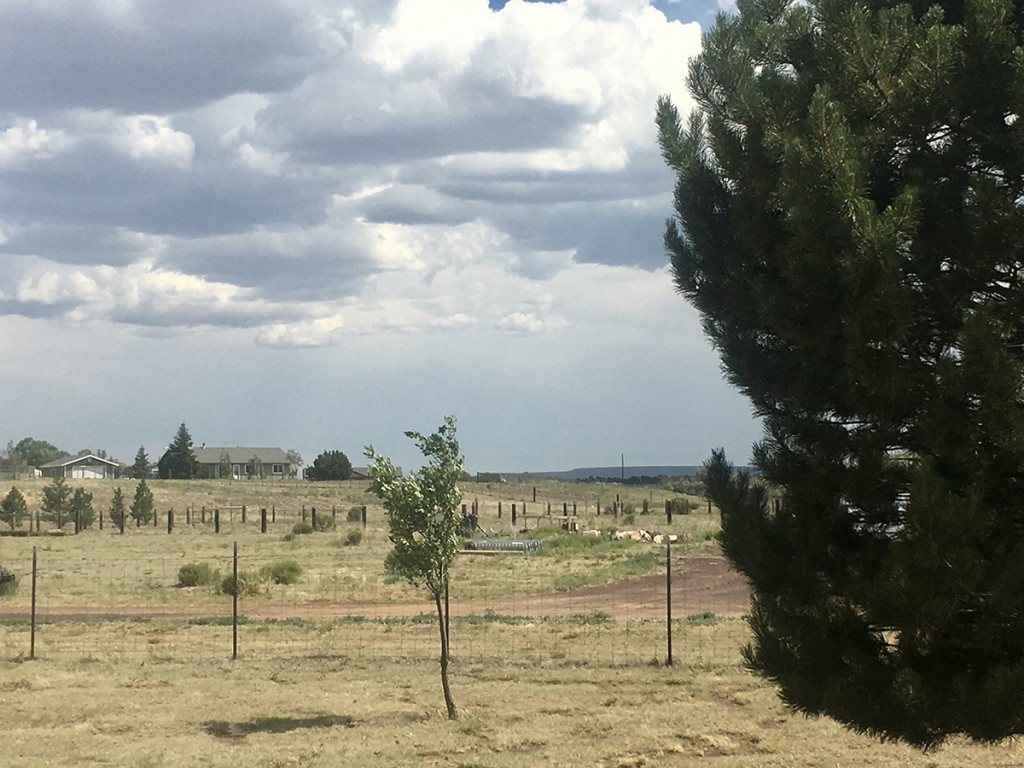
(62, 505)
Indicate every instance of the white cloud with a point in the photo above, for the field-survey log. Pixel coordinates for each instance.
(527, 322)
(151, 138)
(27, 141)
(321, 332)
(435, 38)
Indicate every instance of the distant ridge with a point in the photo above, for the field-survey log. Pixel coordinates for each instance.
(618, 473)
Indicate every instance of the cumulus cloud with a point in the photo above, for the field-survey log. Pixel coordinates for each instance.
(275, 165)
(527, 322)
(321, 332)
(151, 138)
(27, 141)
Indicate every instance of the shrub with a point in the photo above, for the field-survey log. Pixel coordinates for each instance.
(325, 523)
(197, 575)
(282, 572)
(301, 528)
(8, 583)
(680, 506)
(246, 584)
(355, 515)
(354, 537)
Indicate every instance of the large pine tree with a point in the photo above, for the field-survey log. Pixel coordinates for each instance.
(850, 226)
(179, 461)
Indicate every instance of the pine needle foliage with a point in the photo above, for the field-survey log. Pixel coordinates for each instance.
(142, 504)
(850, 226)
(13, 508)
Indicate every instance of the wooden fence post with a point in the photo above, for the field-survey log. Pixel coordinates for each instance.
(170, 520)
(263, 520)
(216, 528)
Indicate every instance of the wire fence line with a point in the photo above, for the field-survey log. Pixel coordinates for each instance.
(122, 605)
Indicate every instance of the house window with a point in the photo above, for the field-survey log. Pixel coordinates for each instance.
(278, 469)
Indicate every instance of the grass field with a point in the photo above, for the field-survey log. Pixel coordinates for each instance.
(331, 671)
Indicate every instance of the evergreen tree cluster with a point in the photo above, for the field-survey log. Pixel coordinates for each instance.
(850, 227)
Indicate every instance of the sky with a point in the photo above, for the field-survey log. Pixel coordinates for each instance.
(316, 225)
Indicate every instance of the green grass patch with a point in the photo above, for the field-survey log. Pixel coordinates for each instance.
(556, 542)
(490, 617)
(702, 619)
(595, 618)
(217, 621)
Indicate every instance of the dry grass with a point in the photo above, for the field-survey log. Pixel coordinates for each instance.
(342, 709)
(363, 691)
(141, 567)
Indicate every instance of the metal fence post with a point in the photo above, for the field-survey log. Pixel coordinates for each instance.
(668, 592)
(234, 604)
(32, 623)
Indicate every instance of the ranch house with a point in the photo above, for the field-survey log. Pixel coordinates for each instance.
(275, 462)
(85, 466)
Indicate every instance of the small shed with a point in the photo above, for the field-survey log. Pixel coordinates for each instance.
(85, 466)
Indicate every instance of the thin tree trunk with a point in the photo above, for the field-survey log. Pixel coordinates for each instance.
(442, 620)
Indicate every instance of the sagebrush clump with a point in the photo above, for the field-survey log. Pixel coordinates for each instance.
(281, 572)
(247, 583)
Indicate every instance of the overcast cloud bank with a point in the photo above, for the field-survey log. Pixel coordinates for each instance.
(260, 216)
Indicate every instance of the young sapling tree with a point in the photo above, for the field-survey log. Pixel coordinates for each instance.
(142, 505)
(13, 508)
(424, 524)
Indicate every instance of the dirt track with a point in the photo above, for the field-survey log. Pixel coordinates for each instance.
(703, 583)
